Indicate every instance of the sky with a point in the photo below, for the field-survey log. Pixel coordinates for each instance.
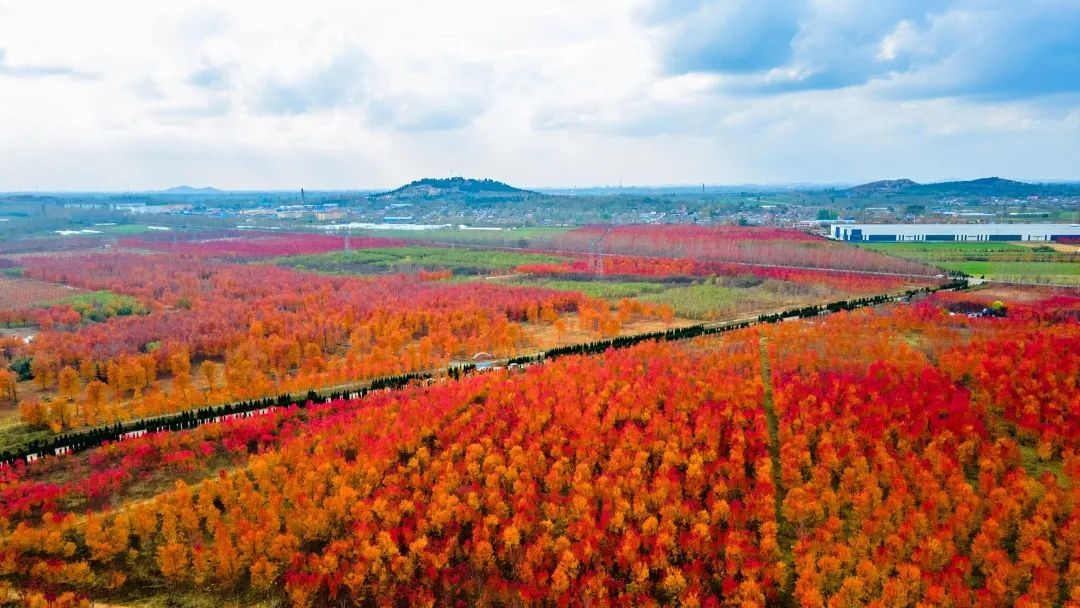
(322, 94)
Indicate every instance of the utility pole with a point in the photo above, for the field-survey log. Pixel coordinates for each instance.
(596, 260)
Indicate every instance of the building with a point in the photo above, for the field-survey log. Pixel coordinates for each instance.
(887, 233)
(140, 209)
(328, 215)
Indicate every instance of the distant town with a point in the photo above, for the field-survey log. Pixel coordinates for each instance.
(472, 203)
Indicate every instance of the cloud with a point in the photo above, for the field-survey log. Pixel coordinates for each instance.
(208, 108)
(430, 95)
(40, 70)
(343, 81)
(191, 28)
(210, 77)
(908, 48)
(256, 94)
(433, 95)
(735, 36)
(421, 113)
(991, 52)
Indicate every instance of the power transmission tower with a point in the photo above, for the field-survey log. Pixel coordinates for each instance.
(596, 250)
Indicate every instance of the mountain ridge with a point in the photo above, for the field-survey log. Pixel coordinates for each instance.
(192, 190)
(452, 187)
(984, 186)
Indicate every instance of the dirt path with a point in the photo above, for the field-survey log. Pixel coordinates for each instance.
(785, 537)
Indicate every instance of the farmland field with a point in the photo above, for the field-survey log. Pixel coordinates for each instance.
(209, 319)
(1037, 263)
(337, 304)
(701, 299)
(406, 259)
(733, 467)
(1024, 272)
(17, 293)
(125, 229)
(944, 248)
(240, 246)
(512, 237)
(850, 459)
(710, 301)
(597, 288)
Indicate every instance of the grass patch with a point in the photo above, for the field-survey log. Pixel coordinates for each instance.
(714, 301)
(182, 597)
(700, 301)
(15, 434)
(124, 229)
(923, 249)
(609, 290)
(406, 259)
(1037, 272)
(1001, 261)
(705, 300)
(100, 305)
(1036, 467)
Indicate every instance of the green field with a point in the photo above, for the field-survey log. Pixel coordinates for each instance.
(124, 229)
(999, 261)
(934, 248)
(405, 259)
(609, 290)
(100, 305)
(713, 301)
(1021, 272)
(932, 252)
(700, 300)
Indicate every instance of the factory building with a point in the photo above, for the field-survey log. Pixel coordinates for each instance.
(890, 233)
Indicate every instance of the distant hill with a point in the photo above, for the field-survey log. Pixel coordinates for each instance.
(191, 190)
(885, 185)
(461, 188)
(986, 186)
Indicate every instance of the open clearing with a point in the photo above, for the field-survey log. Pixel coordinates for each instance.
(1050, 263)
(404, 259)
(17, 293)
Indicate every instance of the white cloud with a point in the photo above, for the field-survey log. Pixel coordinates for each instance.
(336, 93)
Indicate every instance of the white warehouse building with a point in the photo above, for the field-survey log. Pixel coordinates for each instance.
(888, 233)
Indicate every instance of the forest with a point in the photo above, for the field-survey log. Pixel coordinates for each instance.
(252, 433)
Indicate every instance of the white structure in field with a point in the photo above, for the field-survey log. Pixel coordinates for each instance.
(889, 233)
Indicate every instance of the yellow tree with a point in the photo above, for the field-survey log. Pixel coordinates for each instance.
(32, 412)
(69, 383)
(9, 383)
(209, 373)
(43, 369)
(56, 415)
(95, 399)
(87, 368)
(180, 364)
(313, 359)
(559, 325)
(667, 314)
